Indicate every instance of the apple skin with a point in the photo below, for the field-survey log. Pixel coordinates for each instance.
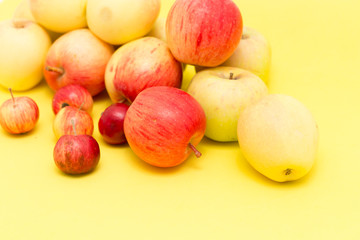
(158, 29)
(199, 34)
(162, 124)
(111, 123)
(23, 48)
(59, 15)
(62, 124)
(278, 136)
(223, 99)
(140, 64)
(72, 95)
(78, 57)
(121, 21)
(76, 154)
(19, 115)
(253, 54)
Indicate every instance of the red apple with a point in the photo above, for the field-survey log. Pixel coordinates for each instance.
(72, 95)
(78, 57)
(111, 123)
(163, 125)
(18, 114)
(203, 32)
(76, 154)
(143, 63)
(82, 120)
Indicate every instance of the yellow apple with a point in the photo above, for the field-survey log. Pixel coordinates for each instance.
(278, 136)
(23, 48)
(224, 92)
(120, 21)
(158, 30)
(59, 15)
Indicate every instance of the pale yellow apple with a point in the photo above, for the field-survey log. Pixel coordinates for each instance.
(23, 49)
(120, 21)
(59, 15)
(224, 92)
(158, 30)
(278, 136)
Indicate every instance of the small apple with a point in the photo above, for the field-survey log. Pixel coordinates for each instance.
(82, 120)
(164, 125)
(278, 136)
(224, 92)
(59, 15)
(121, 21)
(111, 123)
(78, 57)
(23, 48)
(18, 114)
(203, 32)
(76, 154)
(72, 95)
(140, 64)
(253, 54)
(158, 30)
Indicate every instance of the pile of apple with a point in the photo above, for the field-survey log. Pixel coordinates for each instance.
(83, 47)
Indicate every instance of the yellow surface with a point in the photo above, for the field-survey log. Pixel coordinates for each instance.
(316, 58)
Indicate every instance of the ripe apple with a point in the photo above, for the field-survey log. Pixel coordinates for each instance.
(253, 54)
(18, 114)
(78, 57)
(121, 21)
(59, 15)
(76, 154)
(203, 32)
(224, 92)
(278, 136)
(111, 123)
(163, 125)
(72, 95)
(140, 64)
(158, 30)
(23, 48)
(62, 124)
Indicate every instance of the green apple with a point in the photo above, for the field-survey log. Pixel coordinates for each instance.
(120, 21)
(224, 92)
(59, 15)
(23, 48)
(253, 54)
(278, 136)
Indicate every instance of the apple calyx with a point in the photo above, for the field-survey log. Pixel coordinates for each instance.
(193, 148)
(231, 76)
(288, 171)
(64, 105)
(58, 70)
(20, 23)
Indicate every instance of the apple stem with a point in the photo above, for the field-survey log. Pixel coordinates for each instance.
(197, 153)
(12, 95)
(231, 76)
(73, 125)
(81, 106)
(54, 69)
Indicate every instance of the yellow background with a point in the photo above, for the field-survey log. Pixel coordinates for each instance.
(316, 58)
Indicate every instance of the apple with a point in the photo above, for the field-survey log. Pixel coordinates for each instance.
(62, 124)
(78, 57)
(223, 93)
(164, 125)
(59, 15)
(23, 48)
(111, 123)
(278, 136)
(76, 154)
(140, 64)
(203, 32)
(18, 114)
(72, 95)
(253, 54)
(158, 30)
(120, 21)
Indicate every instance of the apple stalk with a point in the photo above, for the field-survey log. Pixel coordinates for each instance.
(55, 69)
(193, 148)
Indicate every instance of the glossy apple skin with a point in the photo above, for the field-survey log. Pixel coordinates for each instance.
(72, 95)
(62, 124)
(111, 123)
(203, 32)
(160, 124)
(137, 65)
(76, 154)
(82, 57)
(19, 115)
